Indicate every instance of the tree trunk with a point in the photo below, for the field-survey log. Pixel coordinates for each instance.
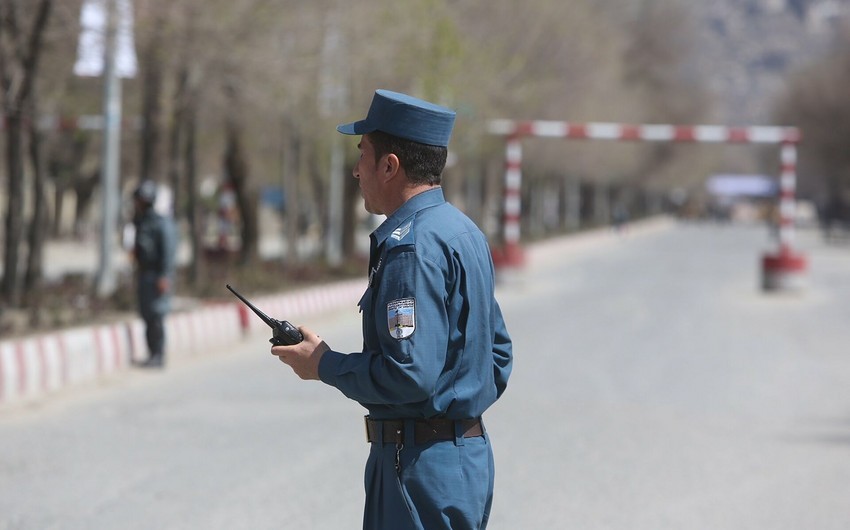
(66, 154)
(176, 134)
(291, 150)
(58, 208)
(190, 164)
(151, 92)
(571, 194)
(38, 227)
(15, 208)
(237, 171)
(84, 188)
(19, 56)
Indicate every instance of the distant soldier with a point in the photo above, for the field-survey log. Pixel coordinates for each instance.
(154, 250)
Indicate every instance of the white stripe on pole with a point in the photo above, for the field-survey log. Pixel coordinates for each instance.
(789, 154)
(550, 128)
(787, 205)
(771, 135)
(786, 182)
(711, 133)
(657, 133)
(513, 179)
(604, 131)
(512, 233)
(512, 205)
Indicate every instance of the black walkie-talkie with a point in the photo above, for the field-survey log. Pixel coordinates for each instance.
(283, 333)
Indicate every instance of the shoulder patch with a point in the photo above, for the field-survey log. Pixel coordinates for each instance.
(401, 317)
(399, 233)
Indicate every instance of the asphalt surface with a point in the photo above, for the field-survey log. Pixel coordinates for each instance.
(655, 387)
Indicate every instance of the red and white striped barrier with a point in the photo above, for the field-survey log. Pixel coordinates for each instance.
(32, 367)
(646, 132)
(782, 270)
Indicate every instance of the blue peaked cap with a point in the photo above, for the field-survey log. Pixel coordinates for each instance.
(406, 117)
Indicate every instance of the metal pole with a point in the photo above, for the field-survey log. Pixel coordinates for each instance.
(787, 192)
(334, 237)
(785, 270)
(332, 96)
(512, 201)
(106, 282)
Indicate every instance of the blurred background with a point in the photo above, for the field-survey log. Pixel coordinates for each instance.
(231, 106)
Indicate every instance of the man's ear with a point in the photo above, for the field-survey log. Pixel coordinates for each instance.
(389, 167)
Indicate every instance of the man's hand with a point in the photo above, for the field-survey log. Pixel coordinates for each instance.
(303, 357)
(163, 285)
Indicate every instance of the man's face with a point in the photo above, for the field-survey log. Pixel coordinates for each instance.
(366, 171)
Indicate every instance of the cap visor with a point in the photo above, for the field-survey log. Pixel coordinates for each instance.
(357, 127)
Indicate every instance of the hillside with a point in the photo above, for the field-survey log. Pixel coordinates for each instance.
(748, 47)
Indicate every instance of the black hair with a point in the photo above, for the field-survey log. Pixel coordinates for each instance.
(422, 163)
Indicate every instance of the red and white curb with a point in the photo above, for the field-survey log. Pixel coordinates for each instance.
(291, 306)
(35, 366)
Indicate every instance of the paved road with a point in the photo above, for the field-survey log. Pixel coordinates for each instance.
(655, 388)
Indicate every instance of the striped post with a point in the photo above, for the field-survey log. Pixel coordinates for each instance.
(786, 269)
(783, 270)
(513, 255)
(787, 192)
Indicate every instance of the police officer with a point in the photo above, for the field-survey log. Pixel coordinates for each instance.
(154, 250)
(436, 352)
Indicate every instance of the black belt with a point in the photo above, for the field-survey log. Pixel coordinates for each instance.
(424, 430)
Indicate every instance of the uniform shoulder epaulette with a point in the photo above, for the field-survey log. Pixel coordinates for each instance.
(403, 235)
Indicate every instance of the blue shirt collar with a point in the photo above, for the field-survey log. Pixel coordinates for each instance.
(417, 203)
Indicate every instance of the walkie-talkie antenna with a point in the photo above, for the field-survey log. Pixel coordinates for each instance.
(283, 333)
(267, 319)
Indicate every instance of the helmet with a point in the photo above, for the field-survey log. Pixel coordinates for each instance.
(146, 192)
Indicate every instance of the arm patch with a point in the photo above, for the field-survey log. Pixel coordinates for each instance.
(401, 317)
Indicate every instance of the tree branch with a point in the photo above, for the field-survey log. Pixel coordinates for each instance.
(32, 53)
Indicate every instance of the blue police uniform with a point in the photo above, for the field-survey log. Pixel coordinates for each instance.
(155, 251)
(435, 346)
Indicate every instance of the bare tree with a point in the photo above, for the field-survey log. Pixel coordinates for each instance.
(816, 102)
(583, 60)
(657, 68)
(20, 50)
(66, 152)
(237, 171)
(152, 67)
(39, 223)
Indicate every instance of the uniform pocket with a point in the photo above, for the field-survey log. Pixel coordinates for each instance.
(407, 501)
(387, 503)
